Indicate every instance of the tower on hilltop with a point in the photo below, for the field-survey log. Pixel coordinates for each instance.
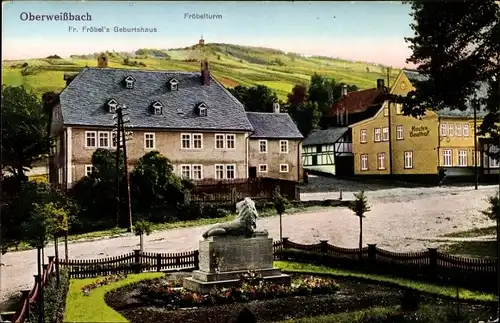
(201, 41)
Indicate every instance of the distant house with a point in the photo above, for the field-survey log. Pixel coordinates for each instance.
(275, 146)
(187, 116)
(328, 151)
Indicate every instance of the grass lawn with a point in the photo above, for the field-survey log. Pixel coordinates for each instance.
(447, 291)
(347, 317)
(475, 249)
(93, 308)
(476, 232)
(117, 232)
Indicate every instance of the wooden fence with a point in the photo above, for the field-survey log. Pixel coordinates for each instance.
(134, 262)
(430, 265)
(233, 190)
(29, 297)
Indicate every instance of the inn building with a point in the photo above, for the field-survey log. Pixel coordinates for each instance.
(408, 148)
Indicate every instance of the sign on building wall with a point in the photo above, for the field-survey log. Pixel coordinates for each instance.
(420, 131)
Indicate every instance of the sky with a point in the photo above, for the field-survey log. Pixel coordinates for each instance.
(366, 31)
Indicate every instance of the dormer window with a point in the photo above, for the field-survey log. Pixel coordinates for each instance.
(129, 82)
(157, 107)
(202, 109)
(174, 84)
(112, 105)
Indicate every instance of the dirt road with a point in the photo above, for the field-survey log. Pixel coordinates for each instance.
(399, 220)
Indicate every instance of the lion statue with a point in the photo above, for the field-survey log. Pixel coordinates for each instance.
(244, 225)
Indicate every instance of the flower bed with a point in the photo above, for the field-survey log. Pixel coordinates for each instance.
(102, 282)
(249, 288)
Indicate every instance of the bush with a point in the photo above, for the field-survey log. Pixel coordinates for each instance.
(54, 298)
(30, 70)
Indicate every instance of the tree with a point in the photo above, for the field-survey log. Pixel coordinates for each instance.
(24, 130)
(155, 188)
(321, 92)
(280, 204)
(308, 117)
(258, 98)
(142, 228)
(456, 45)
(96, 194)
(493, 210)
(297, 97)
(360, 206)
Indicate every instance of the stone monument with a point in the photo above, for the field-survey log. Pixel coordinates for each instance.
(231, 249)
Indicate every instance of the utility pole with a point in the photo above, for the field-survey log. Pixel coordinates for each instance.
(121, 145)
(118, 141)
(389, 119)
(127, 174)
(475, 104)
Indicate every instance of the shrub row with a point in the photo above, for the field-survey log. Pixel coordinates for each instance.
(54, 299)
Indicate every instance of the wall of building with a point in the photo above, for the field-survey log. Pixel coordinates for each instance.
(420, 136)
(168, 143)
(456, 141)
(274, 158)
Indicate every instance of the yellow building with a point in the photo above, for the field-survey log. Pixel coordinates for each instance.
(408, 147)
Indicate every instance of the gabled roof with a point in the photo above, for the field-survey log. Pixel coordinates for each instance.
(83, 99)
(324, 137)
(358, 101)
(273, 126)
(482, 92)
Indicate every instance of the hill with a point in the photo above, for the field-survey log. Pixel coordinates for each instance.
(232, 65)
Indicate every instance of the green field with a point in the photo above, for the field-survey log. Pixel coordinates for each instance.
(230, 64)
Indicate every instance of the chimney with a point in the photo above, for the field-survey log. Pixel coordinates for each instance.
(380, 84)
(102, 61)
(205, 73)
(343, 91)
(276, 107)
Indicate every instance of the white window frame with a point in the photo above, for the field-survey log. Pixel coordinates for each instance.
(381, 161)
(458, 130)
(113, 139)
(283, 166)
(152, 138)
(183, 168)
(196, 168)
(106, 133)
(87, 133)
(265, 146)
(408, 159)
(219, 168)
(451, 130)
(400, 131)
(130, 84)
(233, 166)
(447, 153)
(492, 162)
(444, 130)
(262, 168)
(186, 138)
(157, 108)
(230, 141)
(363, 162)
(385, 134)
(203, 111)
(363, 136)
(194, 139)
(399, 108)
(219, 138)
(86, 169)
(462, 158)
(465, 130)
(377, 135)
(285, 144)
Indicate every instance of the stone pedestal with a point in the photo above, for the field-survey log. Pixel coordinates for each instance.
(236, 256)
